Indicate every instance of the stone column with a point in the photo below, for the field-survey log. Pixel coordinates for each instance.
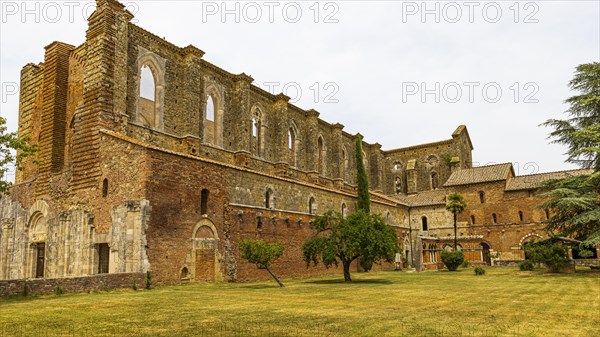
(240, 106)
(192, 95)
(310, 141)
(337, 164)
(280, 130)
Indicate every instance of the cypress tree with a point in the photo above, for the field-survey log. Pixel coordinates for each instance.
(364, 201)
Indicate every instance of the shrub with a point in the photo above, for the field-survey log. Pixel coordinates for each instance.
(452, 259)
(479, 271)
(58, 290)
(134, 286)
(585, 254)
(465, 264)
(148, 280)
(551, 254)
(526, 266)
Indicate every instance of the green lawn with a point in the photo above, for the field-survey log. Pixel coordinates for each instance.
(504, 302)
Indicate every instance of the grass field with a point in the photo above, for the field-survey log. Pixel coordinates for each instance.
(504, 302)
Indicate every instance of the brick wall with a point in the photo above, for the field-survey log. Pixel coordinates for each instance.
(72, 284)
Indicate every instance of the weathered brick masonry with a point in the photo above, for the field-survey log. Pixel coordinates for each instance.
(172, 181)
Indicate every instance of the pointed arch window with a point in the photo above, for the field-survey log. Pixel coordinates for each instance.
(269, 199)
(150, 88)
(213, 117)
(320, 155)
(434, 180)
(292, 146)
(257, 134)
(312, 206)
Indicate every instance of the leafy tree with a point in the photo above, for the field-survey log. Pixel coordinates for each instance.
(549, 252)
(455, 204)
(575, 201)
(262, 254)
(360, 236)
(452, 259)
(581, 132)
(575, 205)
(364, 199)
(10, 142)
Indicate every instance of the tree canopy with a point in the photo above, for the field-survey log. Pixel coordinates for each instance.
(575, 205)
(581, 131)
(360, 236)
(9, 143)
(262, 254)
(575, 201)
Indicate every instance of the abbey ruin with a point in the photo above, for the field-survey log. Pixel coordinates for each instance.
(123, 183)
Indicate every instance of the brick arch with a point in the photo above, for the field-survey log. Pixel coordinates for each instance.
(202, 226)
(40, 206)
(527, 236)
(204, 254)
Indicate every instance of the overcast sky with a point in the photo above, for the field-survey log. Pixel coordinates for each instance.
(397, 72)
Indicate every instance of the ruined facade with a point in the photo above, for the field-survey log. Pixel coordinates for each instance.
(171, 181)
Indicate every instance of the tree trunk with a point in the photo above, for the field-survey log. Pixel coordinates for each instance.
(275, 277)
(346, 265)
(455, 240)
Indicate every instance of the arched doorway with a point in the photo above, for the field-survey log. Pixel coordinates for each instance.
(204, 251)
(37, 235)
(485, 253)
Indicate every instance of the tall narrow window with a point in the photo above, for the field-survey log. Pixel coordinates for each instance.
(103, 258)
(204, 201)
(344, 172)
(210, 109)
(398, 185)
(344, 210)
(424, 224)
(547, 212)
(434, 181)
(481, 197)
(256, 137)
(104, 188)
(472, 219)
(312, 206)
(269, 200)
(210, 125)
(521, 216)
(320, 155)
(40, 260)
(147, 98)
(292, 146)
(494, 218)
